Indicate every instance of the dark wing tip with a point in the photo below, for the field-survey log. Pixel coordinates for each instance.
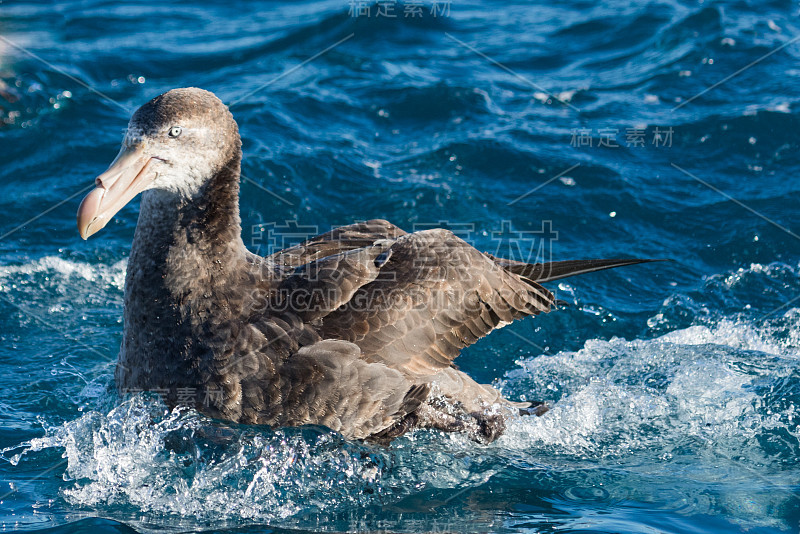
(556, 270)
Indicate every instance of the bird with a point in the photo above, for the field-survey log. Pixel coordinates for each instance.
(356, 329)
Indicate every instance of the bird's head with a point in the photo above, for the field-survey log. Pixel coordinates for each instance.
(176, 143)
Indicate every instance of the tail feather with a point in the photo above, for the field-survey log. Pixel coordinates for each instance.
(556, 270)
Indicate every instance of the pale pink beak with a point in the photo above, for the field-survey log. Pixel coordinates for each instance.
(127, 176)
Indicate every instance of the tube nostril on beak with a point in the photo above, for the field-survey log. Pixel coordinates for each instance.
(127, 176)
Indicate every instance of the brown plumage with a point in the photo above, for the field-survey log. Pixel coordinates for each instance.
(355, 329)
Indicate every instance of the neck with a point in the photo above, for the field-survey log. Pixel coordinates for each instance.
(183, 245)
(207, 224)
(185, 256)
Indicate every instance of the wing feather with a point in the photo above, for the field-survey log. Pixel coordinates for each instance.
(338, 240)
(436, 295)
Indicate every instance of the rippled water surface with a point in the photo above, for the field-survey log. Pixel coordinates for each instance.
(584, 129)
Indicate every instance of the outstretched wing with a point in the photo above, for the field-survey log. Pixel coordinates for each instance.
(434, 295)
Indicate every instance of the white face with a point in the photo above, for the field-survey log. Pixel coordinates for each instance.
(176, 144)
(185, 156)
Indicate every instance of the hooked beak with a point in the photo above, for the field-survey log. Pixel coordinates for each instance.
(127, 176)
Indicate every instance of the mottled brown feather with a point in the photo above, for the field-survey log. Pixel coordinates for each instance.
(355, 329)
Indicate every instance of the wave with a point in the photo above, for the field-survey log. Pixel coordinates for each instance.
(698, 407)
(60, 286)
(60, 273)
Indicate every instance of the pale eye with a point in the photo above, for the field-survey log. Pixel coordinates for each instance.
(175, 131)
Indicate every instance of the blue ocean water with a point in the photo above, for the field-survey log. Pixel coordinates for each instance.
(666, 129)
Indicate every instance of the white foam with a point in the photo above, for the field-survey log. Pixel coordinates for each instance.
(65, 271)
(181, 464)
(695, 381)
(701, 404)
(697, 408)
